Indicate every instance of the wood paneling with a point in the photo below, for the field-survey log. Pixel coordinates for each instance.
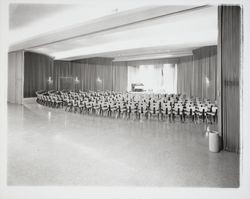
(197, 74)
(230, 61)
(15, 77)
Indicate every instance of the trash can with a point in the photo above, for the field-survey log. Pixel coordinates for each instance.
(214, 141)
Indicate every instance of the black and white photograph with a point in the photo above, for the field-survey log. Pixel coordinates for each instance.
(123, 94)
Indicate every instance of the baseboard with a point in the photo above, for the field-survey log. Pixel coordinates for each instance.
(29, 100)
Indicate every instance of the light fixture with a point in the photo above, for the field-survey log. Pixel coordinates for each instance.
(50, 80)
(207, 81)
(99, 80)
(77, 80)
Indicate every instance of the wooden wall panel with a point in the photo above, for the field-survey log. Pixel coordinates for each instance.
(15, 77)
(230, 61)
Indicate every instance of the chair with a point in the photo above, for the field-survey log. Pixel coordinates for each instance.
(178, 111)
(143, 110)
(201, 113)
(97, 107)
(112, 107)
(154, 109)
(212, 114)
(189, 111)
(134, 109)
(69, 104)
(104, 108)
(88, 106)
(122, 109)
(59, 101)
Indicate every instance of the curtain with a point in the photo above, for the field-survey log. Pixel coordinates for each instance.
(62, 75)
(230, 40)
(155, 78)
(38, 69)
(185, 77)
(169, 79)
(205, 63)
(15, 77)
(197, 74)
(93, 74)
(120, 76)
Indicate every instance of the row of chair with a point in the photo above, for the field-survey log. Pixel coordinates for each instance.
(130, 105)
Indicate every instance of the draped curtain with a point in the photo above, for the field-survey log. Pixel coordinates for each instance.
(37, 70)
(205, 63)
(43, 73)
(93, 74)
(229, 48)
(157, 77)
(120, 76)
(197, 74)
(185, 76)
(61, 75)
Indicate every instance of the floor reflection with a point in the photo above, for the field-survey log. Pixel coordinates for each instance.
(53, 147)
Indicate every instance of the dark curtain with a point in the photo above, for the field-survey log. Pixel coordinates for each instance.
(205, 62)
(120, 76)
(93, 74)
(197, 74)
(62, 74)
(230, 50)
(37, 70)
(185, 76)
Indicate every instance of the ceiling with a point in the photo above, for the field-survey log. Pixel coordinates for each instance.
(124, 32)
(23, 15)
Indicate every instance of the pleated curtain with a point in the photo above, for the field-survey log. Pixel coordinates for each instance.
(197, 74)
(230, 39)
(37, 70)
(93, 74)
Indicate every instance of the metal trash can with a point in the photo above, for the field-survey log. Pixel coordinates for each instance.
(214, 141)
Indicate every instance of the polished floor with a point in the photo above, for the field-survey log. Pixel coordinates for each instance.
(52, 147)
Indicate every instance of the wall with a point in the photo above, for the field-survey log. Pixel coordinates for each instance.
(15, 77)
(197, 74)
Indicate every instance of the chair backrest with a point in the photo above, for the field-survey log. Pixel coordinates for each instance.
(214, 109)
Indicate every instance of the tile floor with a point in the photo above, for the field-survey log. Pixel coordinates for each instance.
(52, 147)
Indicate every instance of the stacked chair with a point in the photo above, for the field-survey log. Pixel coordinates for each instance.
(171, 107)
